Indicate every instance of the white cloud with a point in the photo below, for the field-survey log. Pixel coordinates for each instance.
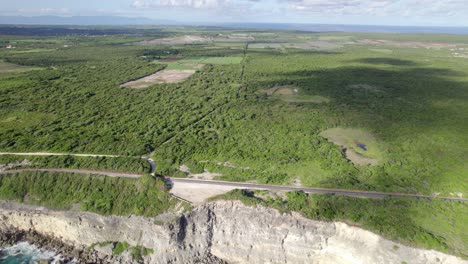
(338, 6)
(45, 11)
(381, 7)
(388, 8)
(198, 4)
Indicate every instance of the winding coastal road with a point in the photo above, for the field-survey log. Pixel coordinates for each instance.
(213, 184)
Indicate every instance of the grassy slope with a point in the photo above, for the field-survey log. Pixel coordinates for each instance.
(9, 68)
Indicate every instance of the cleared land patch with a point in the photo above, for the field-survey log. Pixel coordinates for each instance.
(164, 76)
(205, 175)
(408, 44)
(7, 68)
(31, 51)
(266, 46)
(213, 60)
(310, 45)
(336, 38)
(281, 90)
(178, 40)
(291, 94)
(234, 38)
(360, 146)
(317, 99)
(228, 44)
(197, 63)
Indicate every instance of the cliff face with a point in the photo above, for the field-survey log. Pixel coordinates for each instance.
(222, 231)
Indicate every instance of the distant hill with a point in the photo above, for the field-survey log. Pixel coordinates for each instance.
(81, 20)
(122, 21)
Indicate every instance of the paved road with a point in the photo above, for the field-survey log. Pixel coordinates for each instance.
(270, 187)
(240, 185)
(255, 186)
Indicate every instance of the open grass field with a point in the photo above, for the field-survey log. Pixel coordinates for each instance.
(316, 99)
(196, 63)
(360, 146)
(405, 110)
(171, 75)
(229, 44)
(8, 68)
(213, 60)
(292, 94)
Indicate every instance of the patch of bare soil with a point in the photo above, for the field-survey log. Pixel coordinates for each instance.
(172, 59)
(198, 193)
(408, 44)
(164, 76)
(458, 55)
(206, 175)
(297, 182)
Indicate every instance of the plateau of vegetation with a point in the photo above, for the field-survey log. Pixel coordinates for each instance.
(145, 196)
(399, 99)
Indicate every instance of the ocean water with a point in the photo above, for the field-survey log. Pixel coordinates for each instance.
(25, 253)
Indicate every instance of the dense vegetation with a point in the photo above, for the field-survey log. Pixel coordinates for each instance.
(104, 195)
(411, 98)
(121, 164)
(429, 224)
(219, 115)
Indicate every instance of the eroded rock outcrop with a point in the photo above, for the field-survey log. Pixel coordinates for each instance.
(221, 232)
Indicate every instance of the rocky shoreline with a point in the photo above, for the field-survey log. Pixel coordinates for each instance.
(72, 254)
(68, 253)
(218, 232)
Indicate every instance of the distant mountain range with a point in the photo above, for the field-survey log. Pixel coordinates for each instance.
(81, 20)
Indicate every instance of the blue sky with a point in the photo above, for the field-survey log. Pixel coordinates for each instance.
(370, 12)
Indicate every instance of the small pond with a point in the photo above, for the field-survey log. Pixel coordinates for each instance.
(361, 146)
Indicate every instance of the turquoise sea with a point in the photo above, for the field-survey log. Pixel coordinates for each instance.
(25, 253)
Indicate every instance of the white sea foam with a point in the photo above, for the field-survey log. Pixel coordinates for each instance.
(25, 252)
